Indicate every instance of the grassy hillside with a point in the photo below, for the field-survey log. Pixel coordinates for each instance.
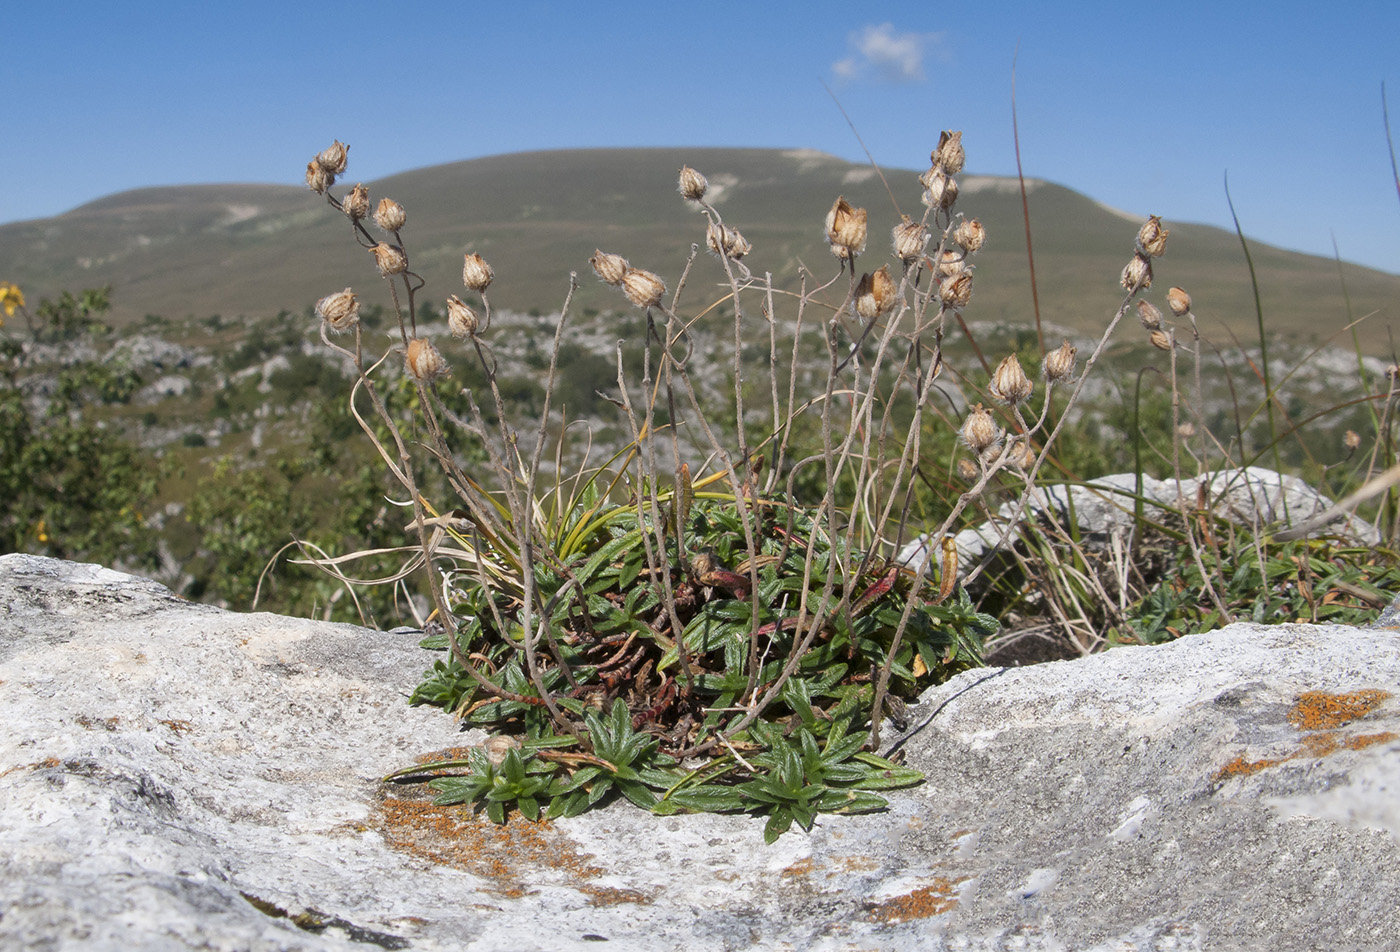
(252, 250)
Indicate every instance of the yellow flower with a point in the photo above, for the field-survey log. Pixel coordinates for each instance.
(11, 297)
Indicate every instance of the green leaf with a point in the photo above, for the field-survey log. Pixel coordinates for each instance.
(709, 798)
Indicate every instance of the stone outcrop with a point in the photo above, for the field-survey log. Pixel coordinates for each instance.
(173, 776)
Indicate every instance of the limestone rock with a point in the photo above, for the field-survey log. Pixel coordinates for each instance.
(173, 776)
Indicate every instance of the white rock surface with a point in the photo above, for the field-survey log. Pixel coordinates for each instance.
(177, 777)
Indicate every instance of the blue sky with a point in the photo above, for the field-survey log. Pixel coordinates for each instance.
(1144, 107)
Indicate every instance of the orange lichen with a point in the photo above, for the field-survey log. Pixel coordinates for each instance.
(1320, 711)
(1239, 767)
(931, 900)
(610, 896)
(803, 867)
(454, 836)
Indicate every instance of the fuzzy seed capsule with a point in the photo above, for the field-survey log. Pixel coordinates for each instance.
(476, 273)
(1179, 302)
(1149, 316)
(461, 319)
(970, 235)
(1059, 363)
(1010, 385)
(356, 204)
(940, 189)
(341, 311)
(423, 362)
(1351, 440)
(611, 268)
(1152, 237)
(1160, 340)
(967, 470)
(643, 288)
(845, 229)
(875, 294)
(980, 431)
(333, 158)
(1137, 275)
(949, 155)
(317, 178)
(390, 259)
(726, 241)
(692, 184)
(389, 215)
(956, 291)
(952, 263)
(910, 238)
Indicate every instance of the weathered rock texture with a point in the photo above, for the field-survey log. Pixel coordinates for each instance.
(177, 777)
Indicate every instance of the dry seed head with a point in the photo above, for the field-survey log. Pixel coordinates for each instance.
(423, 362)
(845, 229)
(940, 189)
(461, 319)
(875, 294)
(1149, 316)
(952, 263)
(949, 156)
(389, 215)
(692, 184)
(356, 204)
(476, 273)
(1160, 340)
(317, 178)
(333, 158)
(1059, 363)
(340, 310)
(643, 288)
(1352, 440)
(390, 259)
(1010, 385)
(967, 470)
(970, 235)
(1152, 237)
(497, 747)
(1022, 456)
(611, 268)
(1137, 276)
(910, 239)
(956, 291)
(1186, 430)
(1179, 302)
(726, 241)
(980, 430)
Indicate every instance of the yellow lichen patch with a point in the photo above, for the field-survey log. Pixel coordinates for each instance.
(610, 896)
(1239, 767)
(931, 900)
(803, 867)
(510, 855)
(1320, 711)
(1366, 740)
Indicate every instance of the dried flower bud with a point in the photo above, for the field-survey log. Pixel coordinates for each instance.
(956, 291)
(1179, 302)
(692, 184)
(845, 229)
(967, 470)
(1160, 340)
(611, 268)
(390, 215)
(1352, 440)
(356, 204)
(476, 273)
(317, 178)
(980, 430)
(333, 158)
(643, 288)
(726, 241)
(940, 189)
(910, 239)
(461, 319)
(1152, 237)
(949, 155)
(952, 263)
(497, 746)
(1137, 276)
(875, 294)
(970, 235)
(1010, 385)
(390, 259)
(340, 310)
(423, 362)
(1186, 430)
(1149, 316)
(1059, 363)
(1022, 456)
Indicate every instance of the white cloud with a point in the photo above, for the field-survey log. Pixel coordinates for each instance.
(894, 57)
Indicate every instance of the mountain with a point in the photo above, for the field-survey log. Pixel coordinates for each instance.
(253, 250)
